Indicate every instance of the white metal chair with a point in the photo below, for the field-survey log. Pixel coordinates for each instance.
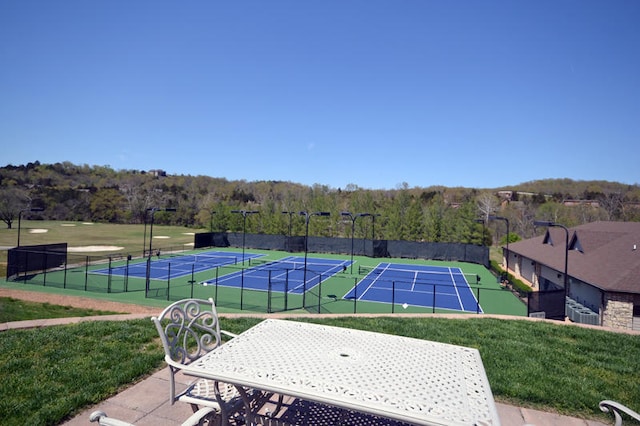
(188, 329)
(205, 415)
(616, 408)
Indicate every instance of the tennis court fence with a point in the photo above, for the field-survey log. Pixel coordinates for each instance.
(122, 274)
(52, 265)
(470, 253)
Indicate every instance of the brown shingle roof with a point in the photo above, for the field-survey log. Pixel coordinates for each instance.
(608, 259)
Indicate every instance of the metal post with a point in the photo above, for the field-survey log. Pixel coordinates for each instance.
(307, 216)
(244, 214)
(393, 297)
(355, 295)
(211, 221)
(566, 252)
(168, 281)
(35, 209)
(144, 235)
(109, 277)
(353, 227)
(192, 279)
(508, 254)
(153, 211)
(269, 293)
(319, 292)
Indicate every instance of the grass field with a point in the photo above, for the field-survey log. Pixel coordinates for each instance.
(551, 367)
(19, 310)
(50, 374)
(124, 238)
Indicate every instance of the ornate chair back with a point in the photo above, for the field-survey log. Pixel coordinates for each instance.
(188, 329)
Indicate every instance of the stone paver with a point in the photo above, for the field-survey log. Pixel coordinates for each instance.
(147, 403)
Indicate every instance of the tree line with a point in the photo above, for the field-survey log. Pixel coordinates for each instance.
(65, 191)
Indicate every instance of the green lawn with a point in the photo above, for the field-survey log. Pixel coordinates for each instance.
(19, 310)
(51, 374)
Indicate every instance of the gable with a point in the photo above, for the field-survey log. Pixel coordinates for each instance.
(600, 253)
(575, 243)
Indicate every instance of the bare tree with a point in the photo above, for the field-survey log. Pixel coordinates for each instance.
(612, 205)
(12, 201)
(487, 204)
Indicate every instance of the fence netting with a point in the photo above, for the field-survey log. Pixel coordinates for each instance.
(53, 266)
(35, 259)
(551, 303)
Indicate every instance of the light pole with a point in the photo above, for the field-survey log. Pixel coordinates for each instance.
(290, 214)
(484, 230)
(244, 214)
(353, 228)
(144, 235)
(288, 244)
(373, 225)
(307, 216)
(153, 212)
(566, 250)
(34, 209)
(491, 217)
(211, 213)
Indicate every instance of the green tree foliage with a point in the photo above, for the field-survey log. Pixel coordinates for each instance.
(438, 214)
(106, 205)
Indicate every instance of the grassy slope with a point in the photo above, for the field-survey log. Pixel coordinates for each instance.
(50, 374)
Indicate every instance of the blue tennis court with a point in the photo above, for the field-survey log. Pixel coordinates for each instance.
(178, 266)
(417, 285)
(286, 275)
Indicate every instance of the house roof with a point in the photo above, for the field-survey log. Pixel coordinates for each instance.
(603, 254)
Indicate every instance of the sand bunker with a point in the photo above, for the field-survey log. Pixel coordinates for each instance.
(67, 224)
(38, 231)
(161, 236)
(85, 249)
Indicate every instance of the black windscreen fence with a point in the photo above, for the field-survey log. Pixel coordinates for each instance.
(28, 259)
(380, 248)
(294, 244)
(552, 303)
(361, 247)
(210, 239)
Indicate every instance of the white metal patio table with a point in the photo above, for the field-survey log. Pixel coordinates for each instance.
(411, 380)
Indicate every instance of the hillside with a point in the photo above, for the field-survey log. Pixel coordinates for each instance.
(66, 191)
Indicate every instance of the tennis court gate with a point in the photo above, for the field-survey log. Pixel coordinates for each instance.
(546, 304)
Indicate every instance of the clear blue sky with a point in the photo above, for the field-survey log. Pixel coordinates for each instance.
(367, 92)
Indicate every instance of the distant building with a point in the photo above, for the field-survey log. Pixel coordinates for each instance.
(570, 203)
(157, 173)
(505, 195)
(603, 269)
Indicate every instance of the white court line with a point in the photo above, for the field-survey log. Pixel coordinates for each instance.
(372, 282)
(456, 287)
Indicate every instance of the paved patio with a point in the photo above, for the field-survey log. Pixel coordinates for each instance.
(147, 404)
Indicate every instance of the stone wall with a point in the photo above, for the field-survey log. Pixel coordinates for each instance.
(618, 310)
